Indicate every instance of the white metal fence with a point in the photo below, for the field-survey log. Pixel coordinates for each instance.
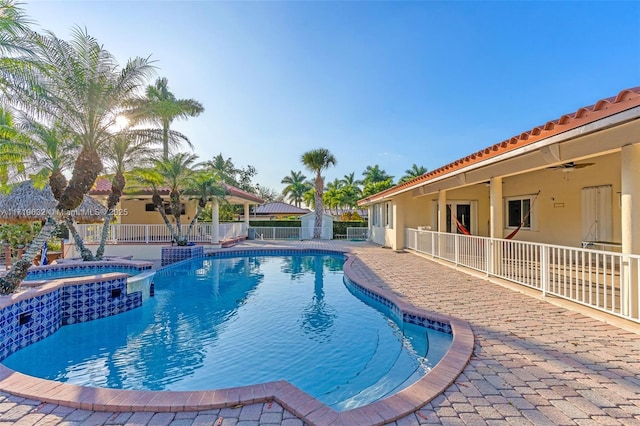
(145, 234)
(276, 233)
(607, 281)
(357, 233)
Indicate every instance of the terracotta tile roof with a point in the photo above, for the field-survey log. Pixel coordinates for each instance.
(626, 99)
(103, 187)
(280, 208)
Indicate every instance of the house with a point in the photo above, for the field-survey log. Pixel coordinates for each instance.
(138, 222)
(276, 210)
(572, 182)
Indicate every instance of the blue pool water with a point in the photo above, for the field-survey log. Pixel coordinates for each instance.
(217, 323)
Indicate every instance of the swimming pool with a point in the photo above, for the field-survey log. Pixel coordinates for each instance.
(328, 343)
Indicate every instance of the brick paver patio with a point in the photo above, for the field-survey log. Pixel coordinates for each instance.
(534, 362)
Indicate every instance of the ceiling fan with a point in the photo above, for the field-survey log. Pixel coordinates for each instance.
(570, 166)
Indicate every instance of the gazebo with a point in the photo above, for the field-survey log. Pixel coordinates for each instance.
(25, 203)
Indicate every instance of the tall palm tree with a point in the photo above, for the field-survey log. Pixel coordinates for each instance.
(332, 197)
(129, 148)
(297, 185)
(161, 107)
(316, 161)
(223, 169)
(375, 174)
(413, 173)
(79, 85)
(351, 191)
(206, 186)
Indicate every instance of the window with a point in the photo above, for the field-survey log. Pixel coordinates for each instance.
(519, 212)
(376, 219)
(388, 215)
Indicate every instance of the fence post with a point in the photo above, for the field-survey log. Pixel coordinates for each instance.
(489, 251)
(544, 270)
(146, 234)
(456, 249)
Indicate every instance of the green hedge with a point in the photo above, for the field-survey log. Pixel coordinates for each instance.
(276, 223)
(339, 228)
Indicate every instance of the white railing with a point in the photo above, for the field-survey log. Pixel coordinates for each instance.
(607, 281)
(231, 230)
(157, 233)
(357, 233)
(276, 233)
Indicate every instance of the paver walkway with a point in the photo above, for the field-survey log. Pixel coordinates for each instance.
(534, 362)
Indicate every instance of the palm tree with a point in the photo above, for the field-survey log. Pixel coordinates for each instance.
(223, 169)
(333, 195)
(296, 187)
(310, 196)
(316, 161)
(375, 174)
(206, 186)
(413, 173)
(79, 85)
(161, 107)
(351, 191)
(128, 148)
(175, 173)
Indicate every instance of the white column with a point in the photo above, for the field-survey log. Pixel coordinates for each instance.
(215, 223)
(630, 223)
(496, 226)
(246, 217)
(442, 211)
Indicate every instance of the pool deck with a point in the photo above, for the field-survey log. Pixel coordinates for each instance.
(535, 361)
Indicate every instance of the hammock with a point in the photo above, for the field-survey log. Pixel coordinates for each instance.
(465, 231)
(524, 219)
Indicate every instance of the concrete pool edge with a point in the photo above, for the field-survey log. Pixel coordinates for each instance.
(291, 398)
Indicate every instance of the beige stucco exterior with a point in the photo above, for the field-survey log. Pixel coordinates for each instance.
(132, 211)
(536, 172)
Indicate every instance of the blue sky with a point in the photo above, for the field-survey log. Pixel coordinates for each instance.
(388, 83)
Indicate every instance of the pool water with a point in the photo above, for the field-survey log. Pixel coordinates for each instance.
(217, 323)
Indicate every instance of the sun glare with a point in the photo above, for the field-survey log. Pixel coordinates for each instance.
(121, 122)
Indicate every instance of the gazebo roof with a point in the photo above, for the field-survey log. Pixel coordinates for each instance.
(234, 195)
(27, 204)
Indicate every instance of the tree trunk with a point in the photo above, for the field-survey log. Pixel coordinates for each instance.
(86, 169)
(85, 253)
(157, 201)
(317, 228)
(201, 204)
(18, 272)
(117, 186)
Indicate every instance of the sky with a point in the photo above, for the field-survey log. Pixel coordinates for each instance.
(391, 83)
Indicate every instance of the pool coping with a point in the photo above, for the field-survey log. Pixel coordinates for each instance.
(303, 405)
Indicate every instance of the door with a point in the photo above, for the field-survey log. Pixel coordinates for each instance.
(596, 213)
(462, 218)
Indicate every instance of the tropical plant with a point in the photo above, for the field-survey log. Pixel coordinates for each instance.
(297, 185)
(333, 195)
(177, 175)
(79, 85)
(310, 198)
(413, 173)
(375, 174)
(375, 187)
(316, 161)
(351, 191)
(129, 149)
(161, 107)
(205, 187)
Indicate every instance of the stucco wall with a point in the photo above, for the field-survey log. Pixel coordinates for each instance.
(133, 211)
